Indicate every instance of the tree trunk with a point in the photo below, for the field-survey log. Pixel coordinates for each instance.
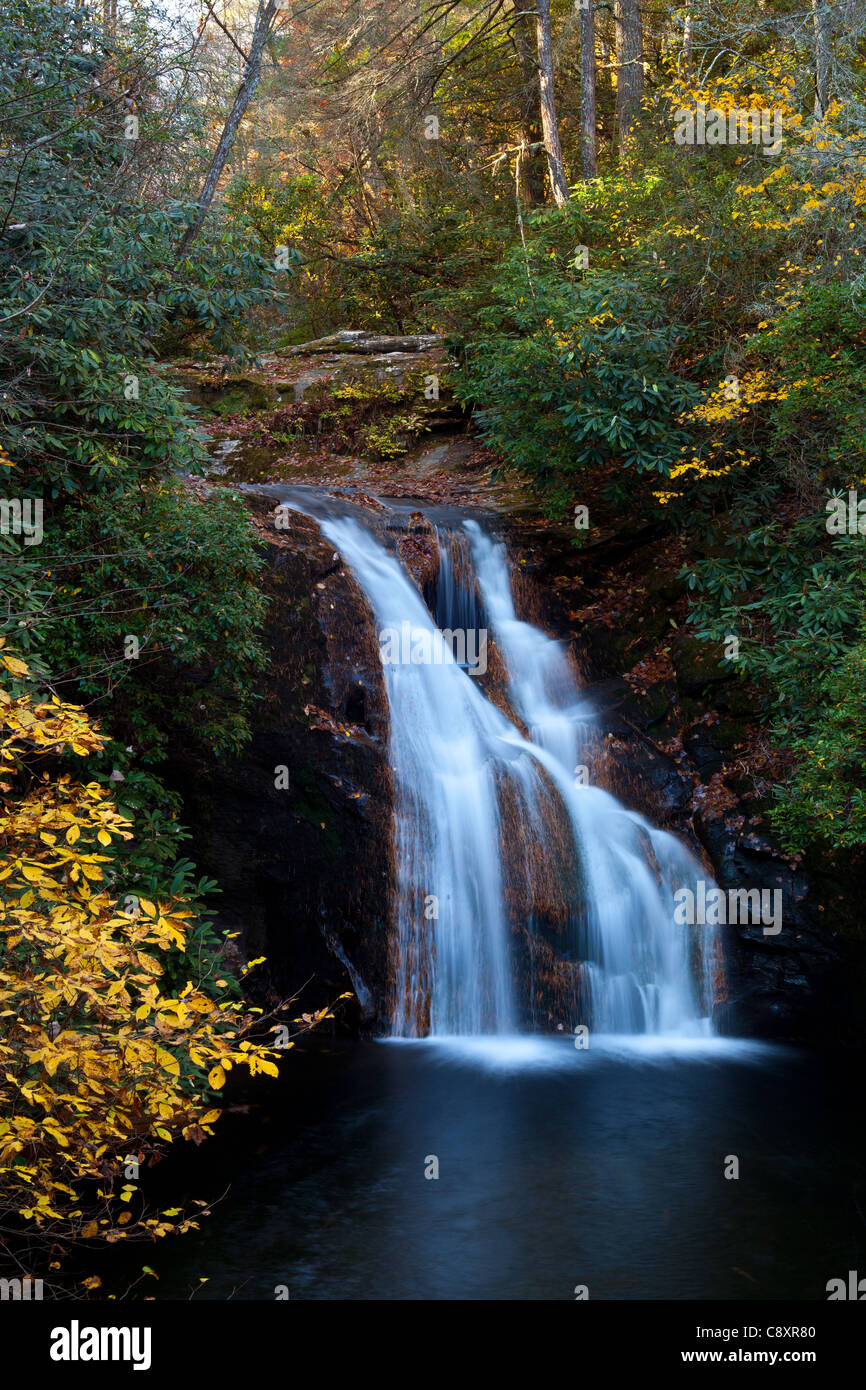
(529, 132)
(588, 137)
(549, 127)
(629, 66)
(265, 17)
(688, 33)
(822, 58)
(688, 151)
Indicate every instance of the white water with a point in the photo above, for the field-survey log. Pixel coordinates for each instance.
(507, 1055)
(457, 763)
(645, 967)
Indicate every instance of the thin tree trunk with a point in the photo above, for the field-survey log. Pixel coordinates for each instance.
(688, 35)
(520, 221)
(549, 127)
(265, 17)
(688, 151)
(529, 133)
(604, 57)
(822, 58)
(588, 136)
(629, 66)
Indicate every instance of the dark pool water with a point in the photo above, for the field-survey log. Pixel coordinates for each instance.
(557, 1168)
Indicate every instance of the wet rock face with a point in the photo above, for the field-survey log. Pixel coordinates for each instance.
(297, 829)
(419, 551)
(786, 983)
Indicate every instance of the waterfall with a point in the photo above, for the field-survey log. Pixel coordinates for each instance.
(500, 848)
(644, 972)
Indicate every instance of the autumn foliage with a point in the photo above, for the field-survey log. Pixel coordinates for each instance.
(100, 1064)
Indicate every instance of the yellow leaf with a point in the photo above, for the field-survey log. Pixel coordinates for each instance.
(17, 667)
(168, 1061)
(216, 1078)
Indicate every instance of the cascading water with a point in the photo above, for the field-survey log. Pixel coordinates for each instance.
(644, 973)
(493, 832)
(452, 956)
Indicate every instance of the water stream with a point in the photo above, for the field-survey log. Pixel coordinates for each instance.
(498, 824)
(556, 1168)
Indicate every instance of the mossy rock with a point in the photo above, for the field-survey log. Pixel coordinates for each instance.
(728, 733)
(652, 707)
(663, 587)
(698, 664)
(227, 395)
(743, 702)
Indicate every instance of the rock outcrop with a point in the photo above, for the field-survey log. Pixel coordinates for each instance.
(297, 829)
